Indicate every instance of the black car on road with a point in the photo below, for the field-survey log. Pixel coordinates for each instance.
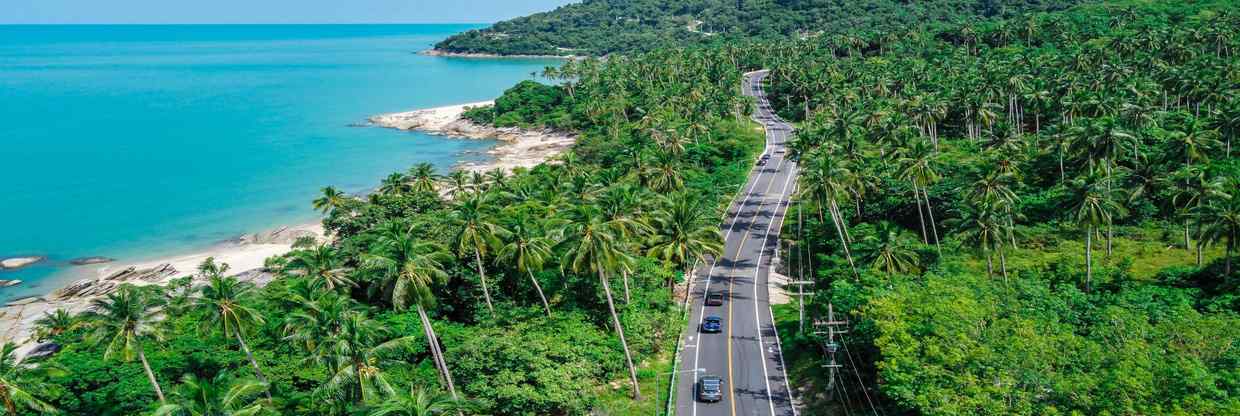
(714, 299)
(710, 389)
(712, 325)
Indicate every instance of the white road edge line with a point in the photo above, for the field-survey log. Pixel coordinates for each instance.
(766, 146)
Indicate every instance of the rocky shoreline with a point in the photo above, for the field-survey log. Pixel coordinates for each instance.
(437, 52)
(518, 147)
(245, 254)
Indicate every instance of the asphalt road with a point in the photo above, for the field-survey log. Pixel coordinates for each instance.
(746, 354)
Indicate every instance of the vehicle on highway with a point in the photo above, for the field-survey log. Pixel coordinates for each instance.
(762, 161)
(710, 389)
(714, 299)
(712, 325)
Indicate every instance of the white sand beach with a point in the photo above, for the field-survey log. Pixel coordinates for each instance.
(246, 255)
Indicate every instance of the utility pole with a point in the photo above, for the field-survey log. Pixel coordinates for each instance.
(829, 328)
(801, 293)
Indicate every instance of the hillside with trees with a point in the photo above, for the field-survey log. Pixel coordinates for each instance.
(604, 27)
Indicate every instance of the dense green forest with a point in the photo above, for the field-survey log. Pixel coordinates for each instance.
(1035, 214)
(525, 279)
(604, 27)
(1031, 216)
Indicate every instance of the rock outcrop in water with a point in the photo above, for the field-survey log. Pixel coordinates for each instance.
(7, 283)
(82, 261)
(19, 262)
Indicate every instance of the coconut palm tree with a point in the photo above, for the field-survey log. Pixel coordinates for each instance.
(124, 320)
(527, 250)
(418, 402)
(981, 226)
(410, 267)
(918, 168)
(323, 266)
(1096, 205)
(219, 396)
(823, 179)
(423, 177)
(891, 253)
(394, 184)
(221, 302)
(477, 234)
(685, 233)
(592, 245)
(330, 200)
(1222, 222)
(458, 183)
(359, 353)
(19, 382)
(55, 323)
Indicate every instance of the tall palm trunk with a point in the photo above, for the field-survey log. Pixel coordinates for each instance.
(990, 264)
(1003, 264)
(150, 375)
(258, 372)
(1187, 246)
(921, 216)
(436, 352)
(1089, 257)
(482, 273)
(615, 320)
(843, 241)
(933, 228)
(541, 296)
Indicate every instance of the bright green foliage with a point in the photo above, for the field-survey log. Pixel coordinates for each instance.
(600, 27)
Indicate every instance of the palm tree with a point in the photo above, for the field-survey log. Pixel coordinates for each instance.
(1222, 222)
(685, 233)
(458, 183)
(981, 226)
(591, 245)
(221, 302)
(331, 199)
(410, 268)
(823, 179)
(18, 380)
(358, 354)
(125, 319)
(55, 323)
(528, 250)
(477, 234)
(315, 319)
(418, 402)
(1096, 205)
(423, 177)
(218, 396)
(891, 253)
(322, 265)
(918, 168)
(394, 184)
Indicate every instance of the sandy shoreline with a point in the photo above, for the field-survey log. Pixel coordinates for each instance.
(247, 254)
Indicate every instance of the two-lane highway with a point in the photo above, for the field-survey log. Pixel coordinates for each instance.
(746, 354)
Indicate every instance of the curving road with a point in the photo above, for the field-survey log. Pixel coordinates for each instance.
(746, 354)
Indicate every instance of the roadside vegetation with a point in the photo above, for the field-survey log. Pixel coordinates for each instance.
(1030, 216)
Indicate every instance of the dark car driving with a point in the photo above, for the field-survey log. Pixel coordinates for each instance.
(714, 299)
(712, 325)
(710, 389)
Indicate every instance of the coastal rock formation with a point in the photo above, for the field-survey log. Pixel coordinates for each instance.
(102, 286)
(19, 262)
(520, 147)
(7, 283)
(282, 235)
(82, 261)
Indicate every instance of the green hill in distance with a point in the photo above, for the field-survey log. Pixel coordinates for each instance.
(601, 27)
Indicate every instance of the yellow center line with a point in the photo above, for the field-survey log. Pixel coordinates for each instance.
(732, 280)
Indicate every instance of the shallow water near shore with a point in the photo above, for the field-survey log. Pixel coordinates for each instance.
(139, 142)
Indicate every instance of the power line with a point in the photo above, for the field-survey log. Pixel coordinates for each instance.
(860, 384)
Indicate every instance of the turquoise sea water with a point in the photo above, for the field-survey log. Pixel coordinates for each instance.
(138, 142)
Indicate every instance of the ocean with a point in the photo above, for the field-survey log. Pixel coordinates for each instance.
(142, 141)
